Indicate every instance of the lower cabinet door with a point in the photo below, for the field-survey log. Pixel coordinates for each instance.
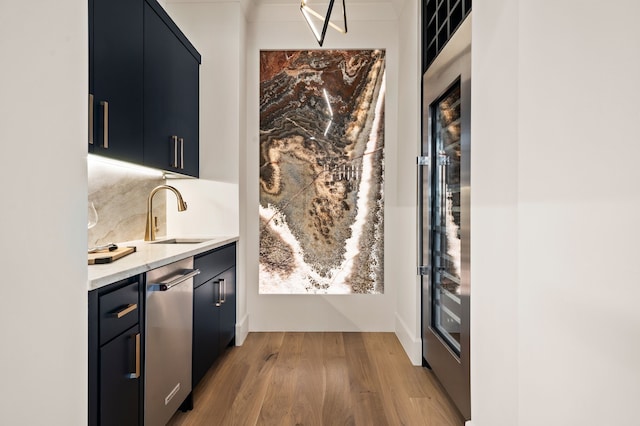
(228, 308)
(205, 328)
(119, 388)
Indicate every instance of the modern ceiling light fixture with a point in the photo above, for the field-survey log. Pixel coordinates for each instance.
(319, 23)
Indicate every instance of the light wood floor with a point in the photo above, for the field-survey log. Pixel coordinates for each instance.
(323, 379)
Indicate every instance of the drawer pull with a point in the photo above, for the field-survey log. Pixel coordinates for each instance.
(136, 374)
(130, 308)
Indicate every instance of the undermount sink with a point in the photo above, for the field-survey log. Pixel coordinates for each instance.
(181, 241)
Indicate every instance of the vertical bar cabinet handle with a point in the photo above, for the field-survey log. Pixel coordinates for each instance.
(105, 130)
(91, 118)
(223, 297)
(174, 138)
(219, 301)
(182, 153)
(136, 374)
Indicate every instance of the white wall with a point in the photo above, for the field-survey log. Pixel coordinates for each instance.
(216, 29)
(43, 302)
(494, 210)
(283, 27)
(401, 211)
(555, 322)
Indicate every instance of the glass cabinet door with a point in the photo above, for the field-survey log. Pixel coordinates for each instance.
(446, 225)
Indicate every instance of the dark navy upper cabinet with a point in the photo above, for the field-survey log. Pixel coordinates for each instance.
(171, 86)
(115, 79)
(144, 87)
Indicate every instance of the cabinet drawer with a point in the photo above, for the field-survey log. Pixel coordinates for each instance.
(119, 311)
(214, 262)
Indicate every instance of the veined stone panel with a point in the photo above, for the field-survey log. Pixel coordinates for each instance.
(321, 171)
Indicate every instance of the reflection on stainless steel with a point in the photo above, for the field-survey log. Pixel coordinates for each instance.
(444, 229)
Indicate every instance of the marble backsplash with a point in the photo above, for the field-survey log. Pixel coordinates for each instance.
(120, 198)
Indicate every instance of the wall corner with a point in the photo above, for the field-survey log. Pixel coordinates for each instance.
(411, 345)
(242, 330)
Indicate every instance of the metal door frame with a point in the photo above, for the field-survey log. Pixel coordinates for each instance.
(452, 63)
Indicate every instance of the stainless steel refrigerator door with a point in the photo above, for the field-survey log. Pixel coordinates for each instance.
(444, 229)
(168, 340)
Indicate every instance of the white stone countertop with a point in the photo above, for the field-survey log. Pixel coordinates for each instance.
(148, 256)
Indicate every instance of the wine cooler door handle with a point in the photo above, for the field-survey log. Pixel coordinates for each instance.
(424, 178)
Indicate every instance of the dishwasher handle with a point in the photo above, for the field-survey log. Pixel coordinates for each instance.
(188, 273)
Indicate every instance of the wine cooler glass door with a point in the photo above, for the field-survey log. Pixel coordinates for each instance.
(446, 245)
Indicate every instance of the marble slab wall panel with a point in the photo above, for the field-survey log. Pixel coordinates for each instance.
(120, 198)
(321, 171)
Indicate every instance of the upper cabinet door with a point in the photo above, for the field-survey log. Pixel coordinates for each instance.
(115, 75)
(186, 101)
(171, 84)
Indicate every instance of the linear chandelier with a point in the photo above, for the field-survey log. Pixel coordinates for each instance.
(319, 23)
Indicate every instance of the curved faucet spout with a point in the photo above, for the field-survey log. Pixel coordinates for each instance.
(150, 230)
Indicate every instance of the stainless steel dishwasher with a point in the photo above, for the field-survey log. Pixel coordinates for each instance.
(168, 325)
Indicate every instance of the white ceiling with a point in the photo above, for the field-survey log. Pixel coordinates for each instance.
(396, 4)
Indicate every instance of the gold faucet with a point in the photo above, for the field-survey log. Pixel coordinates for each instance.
(150, 231)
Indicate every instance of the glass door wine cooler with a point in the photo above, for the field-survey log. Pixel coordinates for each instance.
(444, 190)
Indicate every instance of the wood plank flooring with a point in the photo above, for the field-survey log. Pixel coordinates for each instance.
(318, 379)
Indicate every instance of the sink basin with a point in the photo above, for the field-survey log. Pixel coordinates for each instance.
(181, 241)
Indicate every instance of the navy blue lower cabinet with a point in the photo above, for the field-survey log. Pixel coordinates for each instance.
(119, 380)
(205, 329)
(116, 354)
(227, 286)
(214, 308)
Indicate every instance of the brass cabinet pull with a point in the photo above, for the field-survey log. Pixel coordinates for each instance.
(136, 374)
(174, 163)
(90, 118)
(219, 301)
(105, 130)
(223, 296)
(130, 308)
(182, 153)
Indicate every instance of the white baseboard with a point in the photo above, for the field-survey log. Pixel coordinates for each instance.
(242, 330)
(468, 423)
(411, 345)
